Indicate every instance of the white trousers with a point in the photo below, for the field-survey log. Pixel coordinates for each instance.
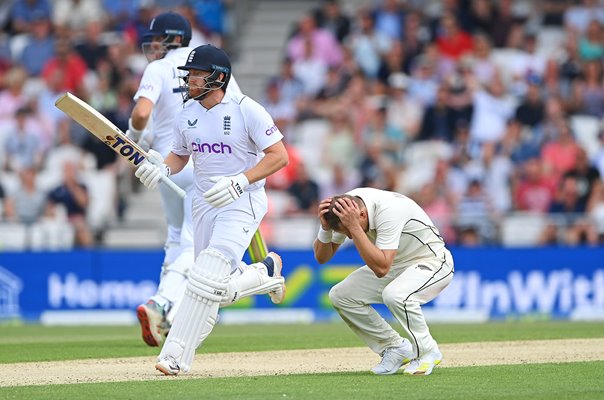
(403, 290)
(229, 229)
(178, 214)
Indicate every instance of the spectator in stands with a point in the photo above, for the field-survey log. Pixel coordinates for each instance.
(339, 146)
(73, 196)
(211, 14)
(91, 47)
(28, 200)
(416, 35)
(451, 40)
(474, 212)
(567, 213)
(424, 80)
(595, 208)
(389, 137)
(532, 191)
(290, 87)
(492, 109)
(561, 153)
(393, 62)
(482, 66)
(70, 63)
(330, 16)
(532, 109)
(390, 19)
(74, 15)
(4, 205)
(438, 120)
(305, 193)
(340, 180)
(40, 45)
(480, 16)
(368, 45)
(12, 97)
(591, 46)
(502, 23)
(403, 112)
(588, 91)
(598, 156)
(284, 113)
(439, 208)
(26, 11)
(325, 46)
(578, 15)
(310, 70)
(586, 175)
(22, 145)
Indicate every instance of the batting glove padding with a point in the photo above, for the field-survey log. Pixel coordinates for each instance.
(151, 171)
(226, 190)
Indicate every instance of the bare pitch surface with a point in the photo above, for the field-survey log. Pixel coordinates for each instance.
(292, 362)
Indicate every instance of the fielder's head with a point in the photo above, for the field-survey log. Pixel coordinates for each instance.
(349, 204)
(208, 69)
(167, 31)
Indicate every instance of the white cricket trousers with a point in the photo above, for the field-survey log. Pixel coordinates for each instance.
(229, 229)
(178, 214)
(403, 290)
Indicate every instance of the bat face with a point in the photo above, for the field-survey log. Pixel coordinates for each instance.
(121, 145)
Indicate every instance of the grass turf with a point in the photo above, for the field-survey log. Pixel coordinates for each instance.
(529, 381)
(39, 343)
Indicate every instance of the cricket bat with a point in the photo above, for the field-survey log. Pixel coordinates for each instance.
(97, 124)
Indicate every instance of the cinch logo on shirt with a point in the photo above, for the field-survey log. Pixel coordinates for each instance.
(146, 86)
(271, 130)
(218, 148)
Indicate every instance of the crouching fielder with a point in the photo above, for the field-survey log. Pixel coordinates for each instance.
(235, 145)
(407, 265)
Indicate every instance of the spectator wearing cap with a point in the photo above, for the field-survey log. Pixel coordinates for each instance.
(40, 45)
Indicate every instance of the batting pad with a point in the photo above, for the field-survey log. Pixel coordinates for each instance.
(253, 280)
(208, 282)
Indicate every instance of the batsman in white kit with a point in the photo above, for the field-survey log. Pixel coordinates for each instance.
(158, 102)
(234, 145)
(407, 265)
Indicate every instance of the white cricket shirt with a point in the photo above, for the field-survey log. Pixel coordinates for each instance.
(161, 85)
(397, 222)
(225, 140)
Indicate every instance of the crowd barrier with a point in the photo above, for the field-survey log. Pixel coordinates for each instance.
(105, 286)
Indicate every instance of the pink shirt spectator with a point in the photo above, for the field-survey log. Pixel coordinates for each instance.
(325, 46)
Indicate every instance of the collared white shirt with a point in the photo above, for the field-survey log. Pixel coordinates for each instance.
(398, 223)
(225, 140)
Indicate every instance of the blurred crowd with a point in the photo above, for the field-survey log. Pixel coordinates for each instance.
(60, 183)
(478, 109)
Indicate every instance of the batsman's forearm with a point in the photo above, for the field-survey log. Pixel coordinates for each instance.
(176, 162)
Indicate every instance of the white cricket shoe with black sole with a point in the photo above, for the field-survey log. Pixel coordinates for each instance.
(393, 358)
(425, 364)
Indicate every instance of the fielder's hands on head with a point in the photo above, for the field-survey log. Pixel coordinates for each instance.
(349, 213)
(323, 208)
(151, 171)
(226, 190)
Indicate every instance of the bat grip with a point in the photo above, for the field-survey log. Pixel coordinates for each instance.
(170, 183)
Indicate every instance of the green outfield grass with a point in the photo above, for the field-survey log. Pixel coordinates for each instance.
(38, 343)
(578, 380)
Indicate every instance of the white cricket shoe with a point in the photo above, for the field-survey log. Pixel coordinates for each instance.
(393, 358)
(150, 316)
(425, 364)
(274, 260)
(168, 366)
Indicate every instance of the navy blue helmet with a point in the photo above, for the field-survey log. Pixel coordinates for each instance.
(210, 59)
(168, 26)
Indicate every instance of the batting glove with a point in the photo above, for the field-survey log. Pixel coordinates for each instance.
(132, 132)
(151, 171)
(226, 190)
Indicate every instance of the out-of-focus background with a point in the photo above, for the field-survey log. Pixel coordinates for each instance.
(487, 113)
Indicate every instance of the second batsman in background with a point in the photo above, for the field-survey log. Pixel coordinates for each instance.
(234, 144)
(158, 102)
(407, 265)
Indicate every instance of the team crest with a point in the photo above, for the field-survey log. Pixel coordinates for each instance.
(226, 124)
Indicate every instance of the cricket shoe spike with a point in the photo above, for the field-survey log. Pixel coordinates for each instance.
(274, 264)
(150, 316)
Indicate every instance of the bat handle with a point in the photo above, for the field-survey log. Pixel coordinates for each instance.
(170, 183)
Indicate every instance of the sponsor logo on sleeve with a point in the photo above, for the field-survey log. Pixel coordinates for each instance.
(271, 130)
